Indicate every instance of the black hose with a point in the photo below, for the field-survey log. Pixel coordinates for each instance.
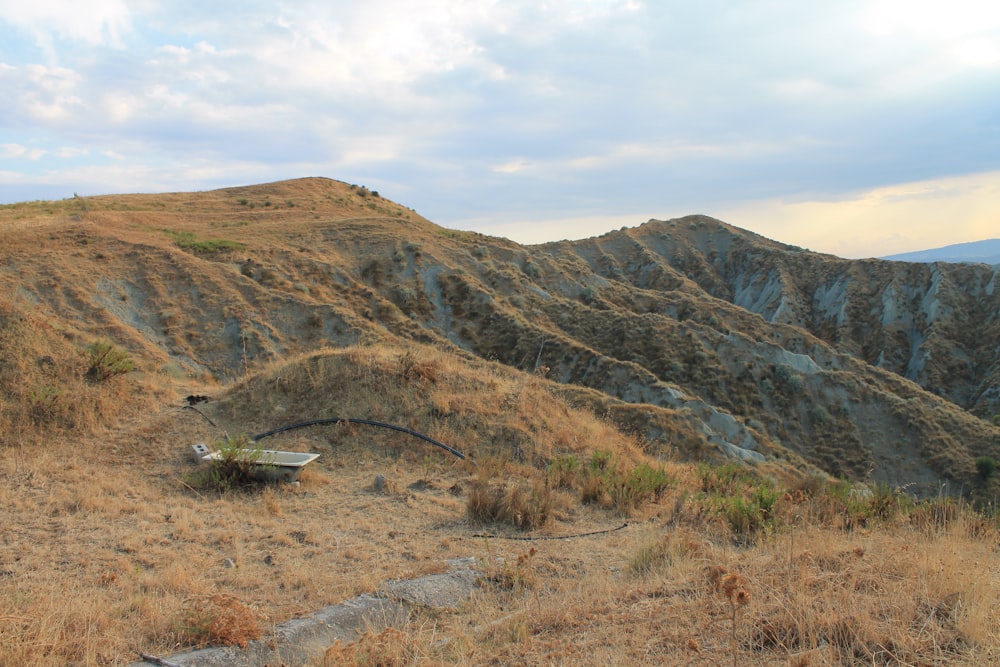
(336, 420)
(191, 407)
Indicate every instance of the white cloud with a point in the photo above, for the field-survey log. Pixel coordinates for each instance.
(39, 93)
(978, 52)
(17, 151)
(931, 18)
(98, 22)
(120, 106)
(70, 152)
(512, 166)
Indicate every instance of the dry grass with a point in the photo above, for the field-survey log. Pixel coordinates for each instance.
(884, 599)
(109, 549)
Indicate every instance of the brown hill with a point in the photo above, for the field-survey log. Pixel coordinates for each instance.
(725, 343)
(588, 382)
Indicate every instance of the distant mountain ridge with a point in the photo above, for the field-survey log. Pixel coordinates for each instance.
(977, 252)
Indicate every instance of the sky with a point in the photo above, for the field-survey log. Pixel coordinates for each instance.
(859, 128)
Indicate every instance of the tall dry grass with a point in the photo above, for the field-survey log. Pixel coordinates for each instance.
(882, 598)
(108, 551)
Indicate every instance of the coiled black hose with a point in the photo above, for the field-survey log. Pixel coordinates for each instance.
(336, 420)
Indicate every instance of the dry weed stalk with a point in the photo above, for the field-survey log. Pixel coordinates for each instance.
(735, 589)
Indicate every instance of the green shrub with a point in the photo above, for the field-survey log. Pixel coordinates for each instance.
(238, 465)
(188, 241)
(986, 466)
(46, 404)
(788, 381)
(749, 516)
(106, 361)
(726, 479)
(641, 484)
(564, 471)
(819, 414)
(602, 480)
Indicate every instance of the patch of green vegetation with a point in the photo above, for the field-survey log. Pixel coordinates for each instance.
(985, 467)
(106, 361)
(458, 234)
(603, 480)
(363, 192)
(237, 464)
(748, 516)
(188, 241)
(46, 404)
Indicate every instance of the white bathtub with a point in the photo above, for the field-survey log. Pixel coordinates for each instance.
(273, 465)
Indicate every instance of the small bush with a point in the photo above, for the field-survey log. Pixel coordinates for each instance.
(639, 485)
(603, 481)
(106, 361)
(46, 405)
(789, 382)
(220, 619)
(885, 502)
(601, 461)
(517, 576)
(749, 516)
(414, 369)
(521, 504)
(819, 414)
(237, 466)
(564, 471)
(985, 467)
(651, 555)
(726, 479)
